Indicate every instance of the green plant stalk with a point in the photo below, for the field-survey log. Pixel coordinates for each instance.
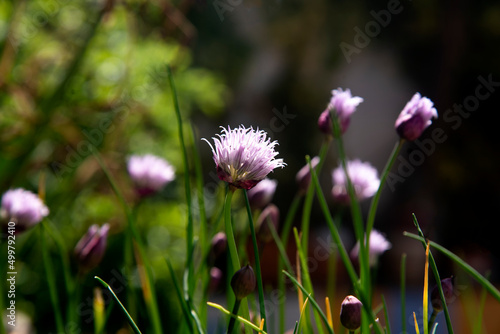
(313, 302)
(375, 200)
(231, 243)
(51, 280)
(230, 327)
(182, 301)
(285, 232)
(306, 278)
(189, 227)
(438, 282)
(386, 316)
(432, 318)
(260, 286)
(374, 203)
(357, 218)
(152, 304)
(479, 321)
(403, 292)
(124, 310)
(342, 251)
(241, 319)
(436, 276)
(308, 201)
(73, 290)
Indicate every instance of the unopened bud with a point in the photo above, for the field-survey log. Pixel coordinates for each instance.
(243, 282)
(447, 285)
(270, 215)
(350, 313)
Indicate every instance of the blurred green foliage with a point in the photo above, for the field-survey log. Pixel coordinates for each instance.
(83, 75)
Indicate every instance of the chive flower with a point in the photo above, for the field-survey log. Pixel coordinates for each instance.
(23, 207)
(415, 117)
(89, 251)
(344, 105)
(149, 173)
(364, 178)
(262, 194)
(378, 245)
(244, 156)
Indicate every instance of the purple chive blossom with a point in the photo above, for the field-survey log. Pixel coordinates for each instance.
(364, 178)
(244, 157)
(262, 194)
(149, 173)
(378, 245)
(23, 207)
(344, 105)
(90, 249)
(303, 176)
(415, 117)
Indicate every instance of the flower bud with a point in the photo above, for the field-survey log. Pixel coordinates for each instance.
(262, 194)
(215, 279)
(270, 215)
(415, 117)
(218, 246)
(447, 285)
(243, 282)
(343, 104)
(90, 249)
(303, 176)
(350, 313)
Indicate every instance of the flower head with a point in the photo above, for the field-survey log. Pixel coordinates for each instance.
(378, 245)
(364, 178)
(244, 157)
(149, 173)
(90, 249)
(303, 176)
(350, 313)
(415, 117)
(344, 105)
(24, 207)
(262, 194)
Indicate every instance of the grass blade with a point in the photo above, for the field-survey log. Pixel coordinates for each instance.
(386, 316)
(241, 319)
(129, 318)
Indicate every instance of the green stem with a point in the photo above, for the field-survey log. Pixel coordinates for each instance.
(149, 286)
(51, 280)
(231, 243)
(432, 318)
(342, 251)
(230, 327)
(129, 318)
(260, 287)
(189, 227)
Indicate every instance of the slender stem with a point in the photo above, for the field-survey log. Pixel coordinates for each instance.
(51, 280)
(260, 287)
(187, 186)
(374, 203)
(149, 290)
(230, 327)
(124, 310)
(231, 243)
(433, 318)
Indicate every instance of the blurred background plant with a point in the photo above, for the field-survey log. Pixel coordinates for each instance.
(82, 74)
